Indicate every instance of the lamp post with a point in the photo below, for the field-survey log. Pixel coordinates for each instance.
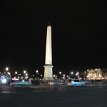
(6, 71)
(41, 76)
(54, 76)
(37, 72)
(64, 76)
(60, 75)
(7, 75)
(26, 76)
(25, 72)
(72, 73)
(16, 72)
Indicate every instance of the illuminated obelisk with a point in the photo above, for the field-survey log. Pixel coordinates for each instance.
(48, 68)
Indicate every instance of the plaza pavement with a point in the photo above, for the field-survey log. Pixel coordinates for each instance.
(94, 95)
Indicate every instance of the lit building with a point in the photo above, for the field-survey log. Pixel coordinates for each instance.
(94, 74)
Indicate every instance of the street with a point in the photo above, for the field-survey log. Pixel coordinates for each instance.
(53, 96)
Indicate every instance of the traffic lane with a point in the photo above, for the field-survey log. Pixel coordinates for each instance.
(24, 89)
(75, 97)
(18, 89)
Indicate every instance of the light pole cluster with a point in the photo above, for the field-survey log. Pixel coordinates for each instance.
(25, 74)
(62, 76)
(89, 74)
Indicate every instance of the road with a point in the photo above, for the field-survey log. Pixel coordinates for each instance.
(53, 96)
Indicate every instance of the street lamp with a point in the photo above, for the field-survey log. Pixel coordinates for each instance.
(60, 75)
(24, 71)
(25, 74)
(60, 72)
(63, 76)
(77, 73)
(54, 76)
(15, 72)
(72, 73)
(7, 68)
(37, 72)
(8, 73)
(67, 76)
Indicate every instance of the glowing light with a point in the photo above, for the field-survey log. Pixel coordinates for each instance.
(26, 77)
(21, 77)
(7, 68)
(100, 75)
(77, 73)
(63, 75)
(60, 72)
(71, 73)
(16, 72)
(26, 74)
(4, 81)
(8, 73)
(54, 75)
(88, 70)
(24, 71)
(37, 71)
(23, 80)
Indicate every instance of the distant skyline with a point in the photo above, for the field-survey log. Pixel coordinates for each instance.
(78, 32)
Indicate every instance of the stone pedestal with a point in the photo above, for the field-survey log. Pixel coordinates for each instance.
(48, 72)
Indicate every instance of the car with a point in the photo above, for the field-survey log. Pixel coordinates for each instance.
(19, 83)
(76, 83)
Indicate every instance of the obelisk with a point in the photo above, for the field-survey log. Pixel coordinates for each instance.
(48, 68)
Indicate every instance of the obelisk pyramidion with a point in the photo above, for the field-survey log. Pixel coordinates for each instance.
(48, 68)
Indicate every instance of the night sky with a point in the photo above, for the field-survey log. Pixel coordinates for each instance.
(78, 32)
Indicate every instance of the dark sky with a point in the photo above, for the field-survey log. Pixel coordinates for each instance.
(78, 31)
